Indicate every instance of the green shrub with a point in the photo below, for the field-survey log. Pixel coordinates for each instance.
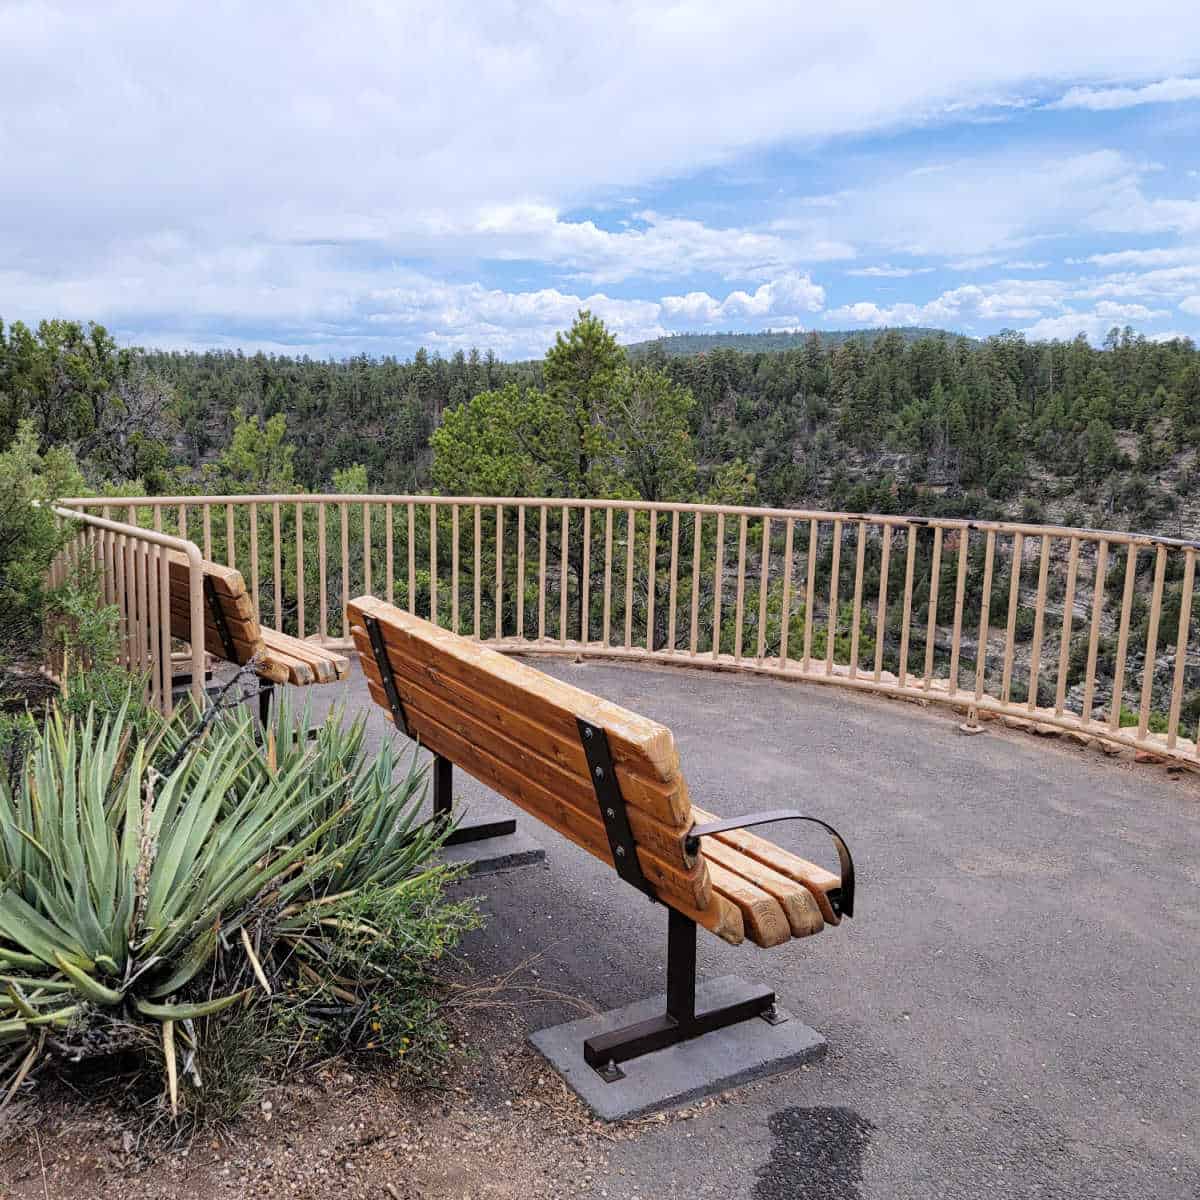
(148, 883)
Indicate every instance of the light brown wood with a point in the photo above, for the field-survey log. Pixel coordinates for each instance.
(765, 922)
(585, 581)
(230, 538)
(322, 582)
(785, 610)
(299, 568)
(277, 563)
(1089, 683)
(835, 570)
(651, 577)
(499, 570)
(985, 612)
(673, 592)
(1064, 636)
(608, 540)
(433, 565)
(809, 588)
(344, 516)
(389, 557)
(910, 536)
(1181, 641)
(816, 879)
(718, 576)
(367, 548)
(741, 590)
(479, 566)
(644, 745)
(564, 578)
(454, 563)
(697, 547)
(1156, 594)
(881, 610)
(960, 585)
(1118, 690)
(542, 574)
(935, 568)
(1014, 594)
(797, 902)
(764, 583)
(630, 539)
(520, 573)
(1039, 615)
(412, 558)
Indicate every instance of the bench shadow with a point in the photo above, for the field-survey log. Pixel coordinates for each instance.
(816, 1153)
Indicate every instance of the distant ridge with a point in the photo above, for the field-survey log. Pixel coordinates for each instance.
(679, 345)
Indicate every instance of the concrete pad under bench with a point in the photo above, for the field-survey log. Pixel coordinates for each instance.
(683, 1073)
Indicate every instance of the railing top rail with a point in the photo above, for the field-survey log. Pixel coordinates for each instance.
(153, 536)
(1115, 537)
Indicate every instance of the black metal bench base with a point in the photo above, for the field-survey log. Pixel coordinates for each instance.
(443, 809)
(681, 1022)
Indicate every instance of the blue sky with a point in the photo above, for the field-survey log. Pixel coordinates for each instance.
(331, 179)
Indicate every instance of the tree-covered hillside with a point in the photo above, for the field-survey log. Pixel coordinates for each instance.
(680, 345)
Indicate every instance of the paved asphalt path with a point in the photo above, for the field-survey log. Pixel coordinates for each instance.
(1014, 1011)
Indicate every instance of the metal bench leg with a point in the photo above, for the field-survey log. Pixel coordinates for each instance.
(443, 809)
(266, 692)
(681, 1021)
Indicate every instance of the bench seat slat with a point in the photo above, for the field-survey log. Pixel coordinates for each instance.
(765, 922)
(327, 666)
(798, 903)
(818, 880)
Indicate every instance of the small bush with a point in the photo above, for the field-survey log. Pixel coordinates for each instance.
(156, 889)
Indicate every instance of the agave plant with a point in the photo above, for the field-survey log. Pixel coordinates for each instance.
(128, 867)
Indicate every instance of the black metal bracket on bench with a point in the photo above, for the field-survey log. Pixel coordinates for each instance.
(443, 768)
(680, 1022)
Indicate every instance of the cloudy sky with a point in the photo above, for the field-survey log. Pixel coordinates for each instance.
(343, 177)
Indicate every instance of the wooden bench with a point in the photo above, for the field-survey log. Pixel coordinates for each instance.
(609, 780)
(232, 633)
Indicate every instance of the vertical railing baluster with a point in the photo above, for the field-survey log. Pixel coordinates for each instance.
(1014, 596)
(785, 610)
(164, 625)
(960, 586)
(433, 565)
(1098, 595)
(154, 649)
(564, 576)
(910, 537)
(542, 522)
(985, 614)
(389, 553)
(585, 581)
(809, 593)
(1064, 637)
(673, 591)
(183, 522)
(1156, 595)
(860, 558)
(764, 583)
(741, 590)
(697, 549)
(322, 574)
(299, 569)
(630, 539)
(521, 571)
(935, 571)
(344, 520)
(1118, 691)
(1181, 644)
(718, 573)
(1039, 614)
(277, 565)
(206, 526)
(652, 572)
(454, 556)
(881, 607)
(368, 549)
(230, 540)
(835, 571)
(254, 582)
(608, 541)
(478, 568)
(499, 571)
(412, 557)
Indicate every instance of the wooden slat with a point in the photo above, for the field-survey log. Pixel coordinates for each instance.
(630, 539)
(818, 880)
(985, 612)
(1039, 616)
(785, 611)
(881, 612)
(1156, 594)
(454, 558)
(764, 582)
(960, 585)
(499, 571)
(1014, 593)
(608, 540)
(344, 516)
(652, 577)
(646, 746)
(741, 590)
(835, 571)
(585, 581)
(1181, 642)
(797, 902)
(564, 585)
(765, 922)
(935, 569)
(520, 572)
(433, 565)
(718, 574)
(673, 592)
(1089, 683)
(809, 589)
(697, 547)
(1064, 637)
(1118, 689)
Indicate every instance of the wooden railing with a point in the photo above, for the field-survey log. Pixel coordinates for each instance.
(1051, 625)
(133, 567)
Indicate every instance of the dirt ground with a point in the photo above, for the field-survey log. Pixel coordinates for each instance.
(497, 1124)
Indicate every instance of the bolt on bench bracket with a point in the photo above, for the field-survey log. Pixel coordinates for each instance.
(612, 805)
(841, 898)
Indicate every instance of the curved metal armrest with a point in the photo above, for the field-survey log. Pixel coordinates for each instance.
(841, 898)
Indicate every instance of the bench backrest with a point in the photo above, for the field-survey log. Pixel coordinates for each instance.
(227, 588)
(516, 730)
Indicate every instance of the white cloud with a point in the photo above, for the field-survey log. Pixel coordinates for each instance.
(1166, 91)
(886, 271)
(779, 301)
(1191, 305)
